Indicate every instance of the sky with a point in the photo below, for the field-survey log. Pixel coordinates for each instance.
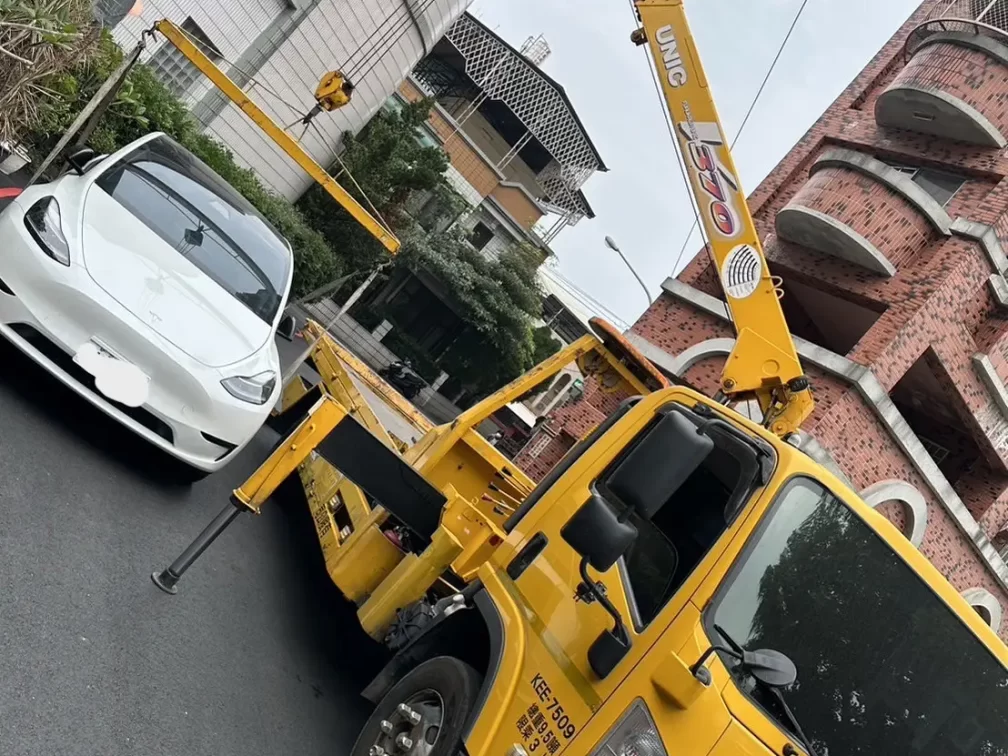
(642, 201)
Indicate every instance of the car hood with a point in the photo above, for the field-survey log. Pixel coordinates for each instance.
(158, 285)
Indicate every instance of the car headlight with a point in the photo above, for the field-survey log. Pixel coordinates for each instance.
(44, 224)
(634, 735)
(254, 390)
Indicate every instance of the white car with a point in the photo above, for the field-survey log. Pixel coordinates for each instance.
(148, 285)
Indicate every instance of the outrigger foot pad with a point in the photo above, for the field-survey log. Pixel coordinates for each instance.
(165, 581)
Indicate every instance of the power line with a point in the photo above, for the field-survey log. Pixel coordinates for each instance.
(745, 120)
(582, 297)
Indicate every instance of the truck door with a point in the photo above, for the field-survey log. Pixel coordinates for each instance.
(677, 541)
(650, 701)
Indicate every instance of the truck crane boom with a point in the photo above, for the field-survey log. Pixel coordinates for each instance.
(764, 362)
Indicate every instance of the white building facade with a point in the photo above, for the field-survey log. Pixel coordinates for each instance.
(279, 50)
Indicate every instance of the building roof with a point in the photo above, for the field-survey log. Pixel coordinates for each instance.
(546, 77)
(579, 303)
(527, 107)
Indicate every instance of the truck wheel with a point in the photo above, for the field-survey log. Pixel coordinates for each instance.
(424, 713)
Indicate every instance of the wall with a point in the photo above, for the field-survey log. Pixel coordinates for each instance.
(330, 35)
(518, 205)
(465, 158)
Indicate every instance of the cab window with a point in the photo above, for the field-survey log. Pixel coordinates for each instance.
(670, 546)
(883, 663)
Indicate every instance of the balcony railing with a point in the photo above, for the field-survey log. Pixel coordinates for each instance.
(986, 17)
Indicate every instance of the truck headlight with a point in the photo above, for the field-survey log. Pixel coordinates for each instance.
(634, 735)
(254, 390)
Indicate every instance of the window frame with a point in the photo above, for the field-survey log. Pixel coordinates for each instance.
(913, 171)
(742, 495)
(472, 233)
(707, 619)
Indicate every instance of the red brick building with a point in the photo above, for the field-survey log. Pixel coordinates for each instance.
(888, 225)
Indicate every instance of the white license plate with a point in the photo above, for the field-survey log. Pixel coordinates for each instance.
(117, 379)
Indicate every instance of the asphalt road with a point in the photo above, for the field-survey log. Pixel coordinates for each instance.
(256, 655)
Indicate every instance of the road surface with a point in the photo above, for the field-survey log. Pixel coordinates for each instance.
(256, 656)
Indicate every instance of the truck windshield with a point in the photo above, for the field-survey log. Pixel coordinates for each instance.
(884, 666)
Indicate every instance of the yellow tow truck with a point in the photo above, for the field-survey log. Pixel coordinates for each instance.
(685, 582)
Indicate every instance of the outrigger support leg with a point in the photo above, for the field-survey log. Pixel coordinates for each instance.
(253, 493)
(167, 579)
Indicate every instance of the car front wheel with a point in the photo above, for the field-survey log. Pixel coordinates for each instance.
(424, 714)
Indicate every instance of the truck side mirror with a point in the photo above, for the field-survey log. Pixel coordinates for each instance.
(600, 538)
(79, 157)
(659, 464)
(596, 534)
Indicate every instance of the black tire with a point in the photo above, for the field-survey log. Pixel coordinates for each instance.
(455, 682)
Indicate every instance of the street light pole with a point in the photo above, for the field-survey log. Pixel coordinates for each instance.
(612, 245)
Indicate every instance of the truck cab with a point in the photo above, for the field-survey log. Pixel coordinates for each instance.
(731, 597)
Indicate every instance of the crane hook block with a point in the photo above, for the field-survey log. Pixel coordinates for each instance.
(334, 91)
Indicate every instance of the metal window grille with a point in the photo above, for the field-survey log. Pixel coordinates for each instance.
(985, 17)
(938, 452)
(508, 76)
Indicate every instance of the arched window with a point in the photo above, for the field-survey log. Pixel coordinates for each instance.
(986, 605)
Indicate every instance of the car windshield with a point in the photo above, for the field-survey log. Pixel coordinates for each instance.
(884, 666)
(195, 211)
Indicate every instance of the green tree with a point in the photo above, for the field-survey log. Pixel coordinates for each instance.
(383, 166)
(544, 343)
(498, 299)
(881, 661)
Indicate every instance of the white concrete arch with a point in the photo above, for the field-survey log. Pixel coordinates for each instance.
(913, 504)
(690, 356)
(986, 605)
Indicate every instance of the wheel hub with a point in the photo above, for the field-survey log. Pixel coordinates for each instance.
(412, 728)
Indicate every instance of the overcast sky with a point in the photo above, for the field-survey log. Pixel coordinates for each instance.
(642, 202)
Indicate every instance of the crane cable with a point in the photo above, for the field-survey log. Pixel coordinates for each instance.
(745, 120)
(671, 131)
(363, 67)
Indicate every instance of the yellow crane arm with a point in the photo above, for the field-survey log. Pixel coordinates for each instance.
(233, 92)
(764, 362)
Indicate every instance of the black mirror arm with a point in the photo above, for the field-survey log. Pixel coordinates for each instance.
(619, 629)
(794, 720)
(702, 661)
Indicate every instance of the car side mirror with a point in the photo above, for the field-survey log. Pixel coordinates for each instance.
(286, 327)
(596, 534)
(79, 157)
(659, 464)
